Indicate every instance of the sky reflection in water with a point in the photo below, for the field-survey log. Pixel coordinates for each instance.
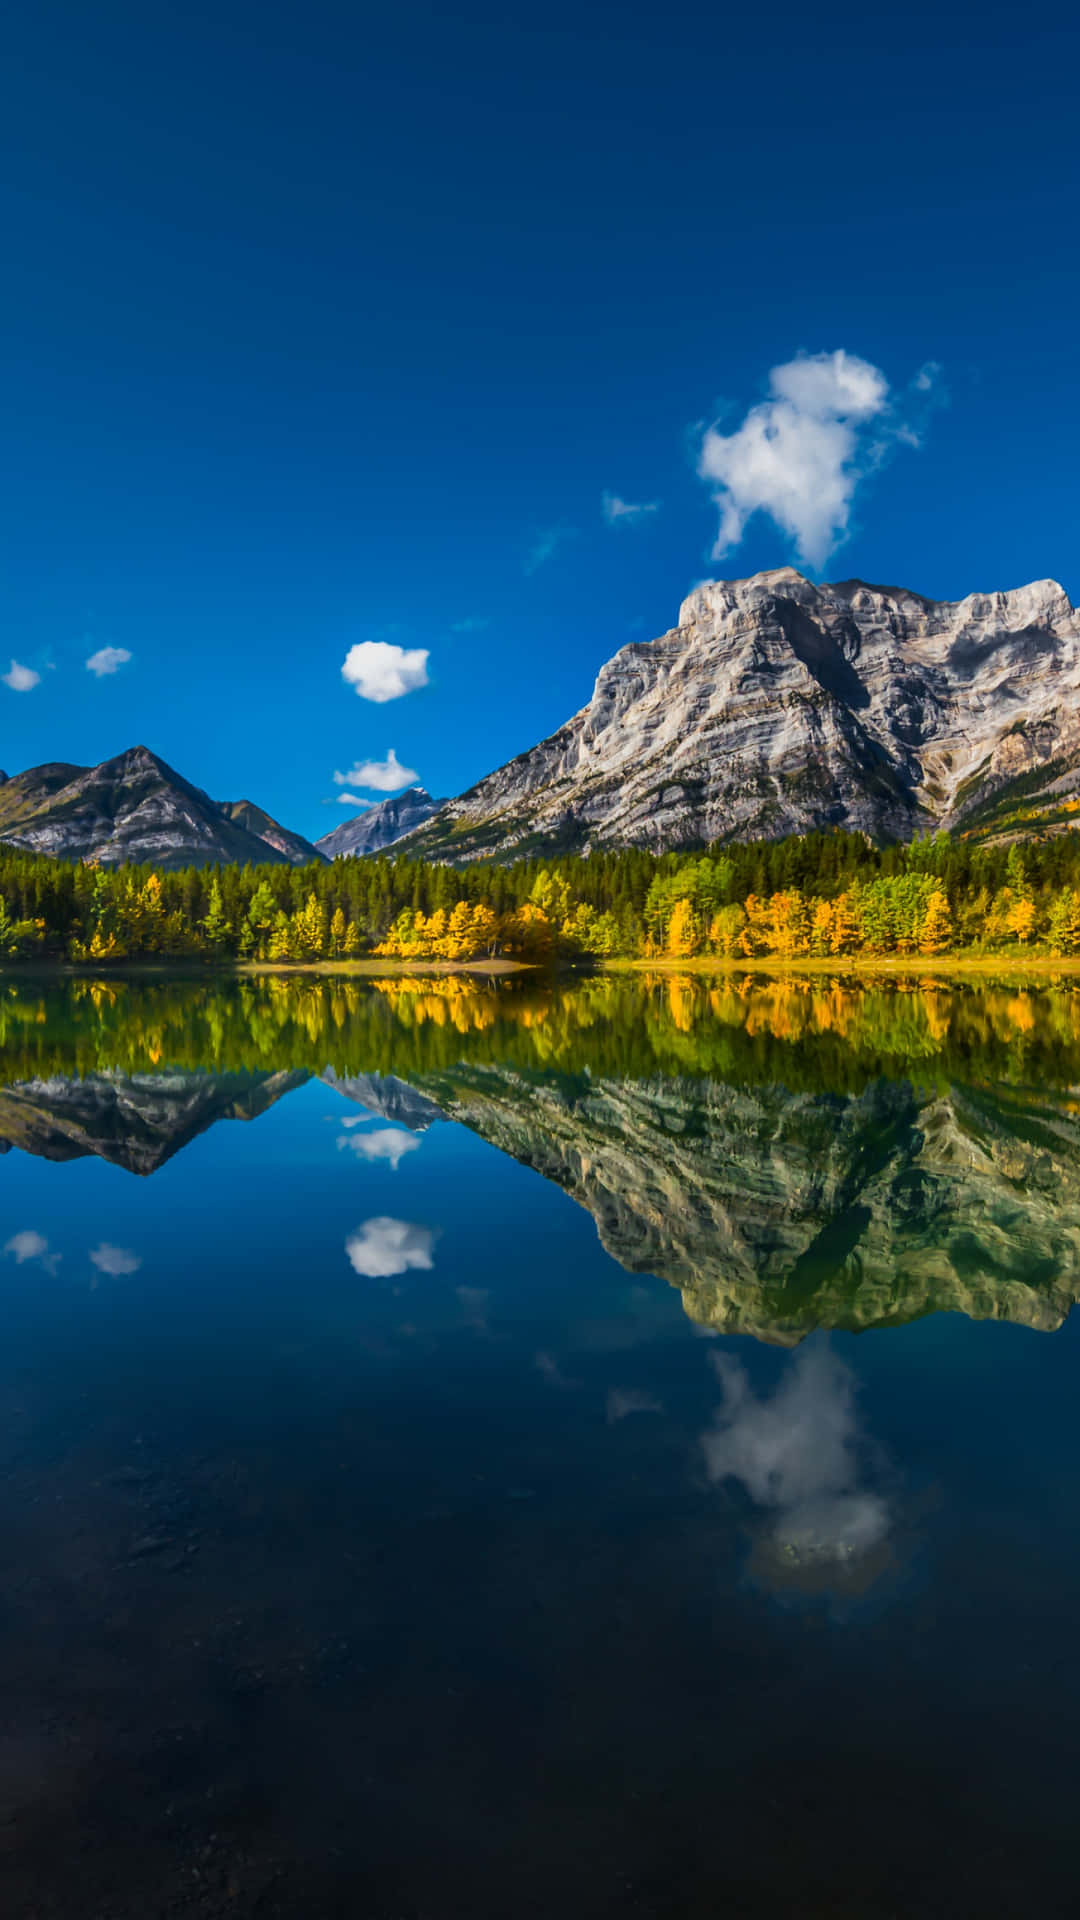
(381, 1532)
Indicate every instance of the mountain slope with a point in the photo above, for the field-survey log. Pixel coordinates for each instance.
(777, 706)
(137, 1121)
(379, 826)
(776, 1213)
(255, 820)
(137, 808)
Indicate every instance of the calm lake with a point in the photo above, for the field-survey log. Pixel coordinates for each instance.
(471, 1450)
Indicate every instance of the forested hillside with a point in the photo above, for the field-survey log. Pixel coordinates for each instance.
(824, 895)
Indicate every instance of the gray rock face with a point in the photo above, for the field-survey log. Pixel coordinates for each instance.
(292, 846)
(387, 1097)
(137, 808)
(778, 1213)
(135, 1120)
(777, 706)
(380, 825)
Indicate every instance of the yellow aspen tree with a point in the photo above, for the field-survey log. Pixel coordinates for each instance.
(484, 929)
(935, 934)
(821, 923)
(457, 944)
(684, 932)
(1021, 920)
(845, 924)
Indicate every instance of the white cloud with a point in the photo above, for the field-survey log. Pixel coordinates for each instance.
(19, 678)
(29, 1245)
(385, 1143)
(474, 1306)
(547, 541)
(353, 800)
(381, 671)
(623, 1401)
(799, 455)
(383, 1247)
(115, 1260)
(795, 1453)
(107, 660)
(386, 776)
(548, 1367)
(625, 512)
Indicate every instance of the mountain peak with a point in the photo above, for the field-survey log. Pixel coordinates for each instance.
(778, 705)
(380, 825)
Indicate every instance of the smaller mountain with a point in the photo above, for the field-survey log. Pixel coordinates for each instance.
(244, 813)
(380, 825)
(137, 808)
(134, 1120)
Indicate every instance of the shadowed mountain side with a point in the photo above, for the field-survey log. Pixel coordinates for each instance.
(387, 1098)
(137, 1121)
(778, 1213)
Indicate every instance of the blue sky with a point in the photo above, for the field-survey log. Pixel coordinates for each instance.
(336, 324)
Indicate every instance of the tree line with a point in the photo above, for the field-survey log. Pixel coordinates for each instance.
(824, 895)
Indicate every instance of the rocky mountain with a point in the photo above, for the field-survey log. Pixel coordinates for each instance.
(774, 1212)
(137, 1120)
(379, 826)
(777, 1213)
(777, 705)
(254, 820)
(137, 808)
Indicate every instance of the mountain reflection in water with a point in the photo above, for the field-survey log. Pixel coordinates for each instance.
(378, 1538)
(790, 1154)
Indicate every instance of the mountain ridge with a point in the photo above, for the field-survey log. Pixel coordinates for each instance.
(776, 706)
(380, 825)
(779, 706)
(135, 807)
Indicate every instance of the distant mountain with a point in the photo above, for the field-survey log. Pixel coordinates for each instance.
(777, 706)
(379, 826)
(137, 1120)
(137, 808)
(294, 848)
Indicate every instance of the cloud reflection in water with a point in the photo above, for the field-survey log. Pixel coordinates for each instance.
(796, 1454)
(383, 1247)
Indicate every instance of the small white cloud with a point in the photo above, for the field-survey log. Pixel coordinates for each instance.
(623, 1401)
(626, 512)
(29, 1245)
(386, 776)
(549, 1369)
(353, 800)
(107, 660)
(381, 671)
(383, 1247)
(115, 1260)
(385, 1143)
(800, 455)
(474, 1306)
(547, 541)
(19, 678)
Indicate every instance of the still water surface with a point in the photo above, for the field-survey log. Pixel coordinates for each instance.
(470, 1451)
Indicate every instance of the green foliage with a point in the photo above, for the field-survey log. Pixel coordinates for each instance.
(823, 894)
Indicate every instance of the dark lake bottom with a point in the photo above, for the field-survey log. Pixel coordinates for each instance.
(467, 1450)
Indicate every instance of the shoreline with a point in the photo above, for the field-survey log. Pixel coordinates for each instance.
(891, 964)
(1036, 967)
